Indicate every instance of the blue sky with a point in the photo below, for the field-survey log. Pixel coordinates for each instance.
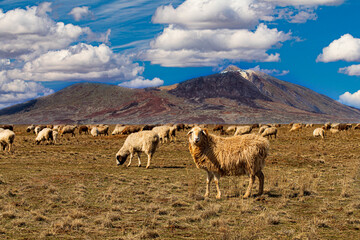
(46, 46)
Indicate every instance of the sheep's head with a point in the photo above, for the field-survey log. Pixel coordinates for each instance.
(121, 157)
(196, 135)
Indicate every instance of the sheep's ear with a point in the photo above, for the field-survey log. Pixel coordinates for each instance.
(190, 132)
(205, 131)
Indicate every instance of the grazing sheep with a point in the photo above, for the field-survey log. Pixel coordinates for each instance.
(94, 132)
(319, 132)
(148, 127)
(232, 156)
(57, 127)
(83, 129)
(309, 125)
(255, 125)
(172, 133)
(31, 128)
(144, 141)
(163, 132)
(296, 127)
(7, 138)
(180, 126)
(327, 126)
(10, 127)
(118, 128)
(262, 128)
(242, 130)
(357, 126)
(268, 132)
(230, 129)
(334, 131)
(38, 129)
(130, 129)
(44, 135)
(103, 130)
(218, 128)
(55, 135)
(68, 129)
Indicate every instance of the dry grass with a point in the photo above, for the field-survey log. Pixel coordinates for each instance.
(74, 190)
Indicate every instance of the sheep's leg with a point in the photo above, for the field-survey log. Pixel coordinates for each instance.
(149, 159)
(216, 180)
(260, 175)
(138, 155)
(131, 157)
(210, 177)
(251, 182)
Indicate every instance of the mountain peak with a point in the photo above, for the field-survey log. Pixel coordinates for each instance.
(231, 68)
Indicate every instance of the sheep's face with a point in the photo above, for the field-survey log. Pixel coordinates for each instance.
(121, 157)
(196, 135)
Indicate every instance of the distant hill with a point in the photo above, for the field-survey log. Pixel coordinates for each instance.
(232, 96)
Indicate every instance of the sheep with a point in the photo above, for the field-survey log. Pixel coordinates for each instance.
(38, 129)
(309, 125)
(180, 126)
(357, 126)
(147, 127)
(30, 128)
(296, 127)
(44, 135)
(118, 128)
(10, 127)
(218, 128)
(242, 130)
(268, 132)
(68, 129)
(94, 132)
(172, 133)
(230, 129)
(103, 129)
(232, 156)
(334, 131)
(327, 126)
(319, 132)
(255, 125)
(83, 129)
(130, 129)
(262, 128)
(55, 135)
(144, 141)
(163, 132)
(7, 138)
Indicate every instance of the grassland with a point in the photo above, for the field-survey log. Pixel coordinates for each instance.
(74, 190)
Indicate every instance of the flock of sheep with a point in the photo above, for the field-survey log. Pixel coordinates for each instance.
(241, 154)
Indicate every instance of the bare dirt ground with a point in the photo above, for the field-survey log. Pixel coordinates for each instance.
(74, 190)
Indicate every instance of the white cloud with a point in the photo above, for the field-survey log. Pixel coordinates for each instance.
(275, 72)
(16, 91)
(183, 47)
(353, 70)
(306, 2)
(141, 82)
(80, 12)
(215, 14)
(79, 62)
(346, 48)
(303, 16)
(350, 99)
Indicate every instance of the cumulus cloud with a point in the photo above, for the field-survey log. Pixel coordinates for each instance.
(346, 48)
(79, 62)
(16, 91)
(79, 13)
(141, 82)
(353, 70)
(184, 47)
(350, 99)
(204, 14)
(275, 72)
(306, 2)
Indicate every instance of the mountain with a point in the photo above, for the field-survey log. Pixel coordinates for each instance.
(232, 96)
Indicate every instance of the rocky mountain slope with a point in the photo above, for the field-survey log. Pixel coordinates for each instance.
(232, 96)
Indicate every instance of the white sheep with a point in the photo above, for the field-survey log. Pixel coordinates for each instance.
(55, 135)
(269, 132)
(44, 135)
(94, 132)
(163, 132)
(144, 141)
(241, 130)
(319, 132)
(118, 129)
(262, 128)
(68, 129)
(103, 129)
(172, 133)
(232, 156)
(7, 138)
(30, 128)
(230, 129)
